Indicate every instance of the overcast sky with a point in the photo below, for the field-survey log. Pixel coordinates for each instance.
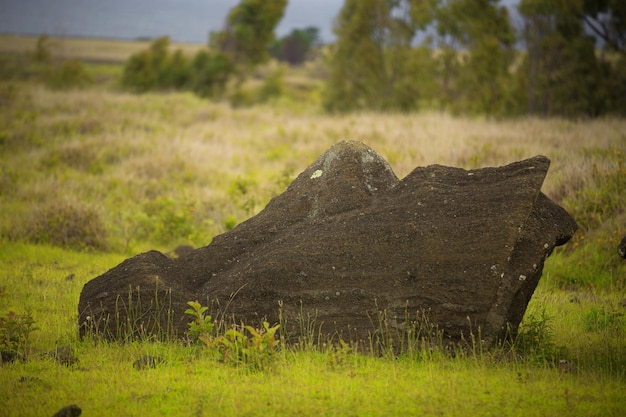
(182, 20)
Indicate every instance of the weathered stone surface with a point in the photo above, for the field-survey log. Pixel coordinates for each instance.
(348, 241)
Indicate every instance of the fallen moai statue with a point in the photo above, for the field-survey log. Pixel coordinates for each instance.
(357, 250)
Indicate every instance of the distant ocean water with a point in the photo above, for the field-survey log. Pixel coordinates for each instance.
(181, 20)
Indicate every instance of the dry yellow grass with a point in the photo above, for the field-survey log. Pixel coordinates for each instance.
(126, 150)
(214, 138)
(86, 49)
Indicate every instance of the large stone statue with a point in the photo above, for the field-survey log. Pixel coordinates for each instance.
(351, 251)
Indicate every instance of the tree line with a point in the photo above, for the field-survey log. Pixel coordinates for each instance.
(231, 55)
(465, 56)
(567, 59)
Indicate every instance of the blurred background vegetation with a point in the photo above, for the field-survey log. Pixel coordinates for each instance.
(461, 56)
(103, 142)
(561, 58)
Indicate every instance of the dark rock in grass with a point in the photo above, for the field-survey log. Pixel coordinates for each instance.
(69, 411)
(144, 295)
(350, 250)
(621, 248)
(7, 357)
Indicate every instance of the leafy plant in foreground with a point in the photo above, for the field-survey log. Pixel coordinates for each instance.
(240, 345)
(256, 349)
(15, 330)
(201, 328)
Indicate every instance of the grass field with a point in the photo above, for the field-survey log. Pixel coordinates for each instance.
(89, 177)
(86, 49)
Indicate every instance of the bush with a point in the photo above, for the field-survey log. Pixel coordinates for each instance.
(148, 70)
(209, 73)
(165, 220)
(241, 98)
(42, 50)
(273, 85)
(535, 340)
(239, 345)
(66, 224)
(71, 74)
(139, 72)
(156, 69)
(176, 72)
(15, 330)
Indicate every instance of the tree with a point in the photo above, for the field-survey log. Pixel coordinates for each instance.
(176, 71)
(148, 69)
(249, 31)
(210, 73)
(564, 76)
(476, 39)
(374, 64)
(42, 50)
(607, 20)
(295, 47)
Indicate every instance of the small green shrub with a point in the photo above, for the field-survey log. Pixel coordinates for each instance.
(210, 73)
(71, 74)
(230, 222)
(242, 192)
(165, 220)
(139, 73)
(340, 355)
(148, 69)
(245, 345)
(273, 86)
(535, 339)
(239, 345)
(176, 72)
(201, 329)
(241, 98)
(157, 69)
(15, 330)
(63, 223)
(42, 50)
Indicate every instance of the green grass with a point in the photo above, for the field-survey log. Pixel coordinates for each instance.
(159, 170)
(46, 281)
(306, 384)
